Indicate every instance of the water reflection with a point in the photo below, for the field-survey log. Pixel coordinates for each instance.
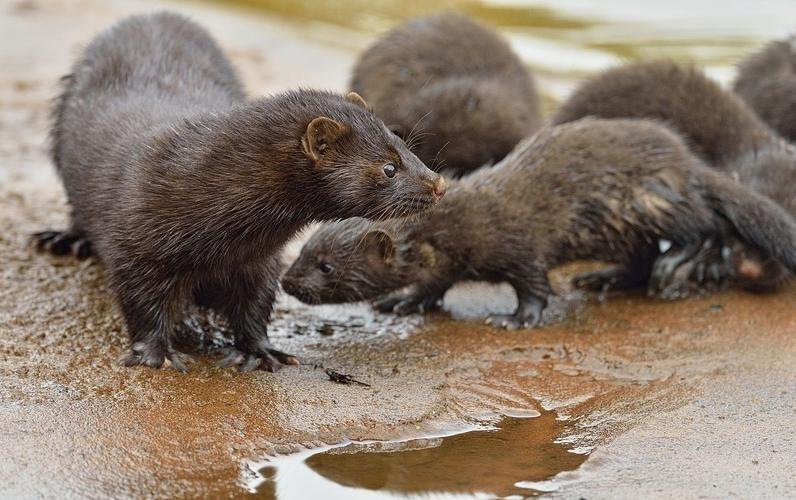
(506, 460)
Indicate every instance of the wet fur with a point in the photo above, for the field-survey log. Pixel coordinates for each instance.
(187, 191)
(453, 88)
(591, 189)
(720, 128)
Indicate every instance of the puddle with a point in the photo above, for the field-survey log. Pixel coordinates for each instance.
(508, 459)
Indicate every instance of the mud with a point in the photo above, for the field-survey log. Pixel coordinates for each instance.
(684, 399)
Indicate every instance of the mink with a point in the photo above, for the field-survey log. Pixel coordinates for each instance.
(453, 88)
(725, 132)
(766, 80)
(186, 190)
(592, 189)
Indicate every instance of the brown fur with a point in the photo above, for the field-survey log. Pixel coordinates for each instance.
(187, 191)
(719, 127)
(767, 82)
(452, 88)
(593, 189)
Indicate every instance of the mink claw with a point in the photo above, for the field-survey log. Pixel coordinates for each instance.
(155, 356)
(269, 360)
(63, 243)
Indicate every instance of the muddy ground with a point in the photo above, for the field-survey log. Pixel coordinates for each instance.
(688, 399)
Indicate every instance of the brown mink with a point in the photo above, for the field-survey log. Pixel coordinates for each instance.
(726, 133)
(590, 189)
(767, 82)
(452, 88)
(187, 191)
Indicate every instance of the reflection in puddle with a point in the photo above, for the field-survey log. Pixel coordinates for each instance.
(506, 460)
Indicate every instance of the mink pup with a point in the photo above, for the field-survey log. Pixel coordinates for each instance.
(590, 189)
(767, 82)
(452, 88)
(726, 133)
(187, 191)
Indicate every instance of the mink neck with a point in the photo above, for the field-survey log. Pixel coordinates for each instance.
(240, 176)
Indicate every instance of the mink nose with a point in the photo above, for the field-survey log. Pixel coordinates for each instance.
(439, 187)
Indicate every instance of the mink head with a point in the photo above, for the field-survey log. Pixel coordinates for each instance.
(345, 261)
(461, 124)
(363, 169)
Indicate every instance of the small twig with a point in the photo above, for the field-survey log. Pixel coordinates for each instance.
(342, 378)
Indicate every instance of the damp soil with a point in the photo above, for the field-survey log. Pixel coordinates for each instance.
(613, 397)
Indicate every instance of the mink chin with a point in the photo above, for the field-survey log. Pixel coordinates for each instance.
(186, 190)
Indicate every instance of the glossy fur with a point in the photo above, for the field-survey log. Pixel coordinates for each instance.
(187, 191)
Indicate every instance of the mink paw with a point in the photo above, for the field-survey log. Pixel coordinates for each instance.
(154, 356)
(63, 243)
(512, 321)
(403, 303)
(688, 271)
(266, 358)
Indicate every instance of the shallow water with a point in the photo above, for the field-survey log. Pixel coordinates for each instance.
(510, 458)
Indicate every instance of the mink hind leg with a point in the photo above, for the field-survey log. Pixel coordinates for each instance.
(250, 296)
(712, 264)
(690, 269)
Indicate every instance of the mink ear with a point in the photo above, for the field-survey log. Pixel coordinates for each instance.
(381, 243)
(358, 100)
(321, 133)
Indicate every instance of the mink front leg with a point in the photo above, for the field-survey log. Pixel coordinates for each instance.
(151, 312)
(623, 276)
(250, 300)
(416, 298)
(533, 288)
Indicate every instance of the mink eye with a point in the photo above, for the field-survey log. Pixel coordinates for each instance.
(389, 170)
(326, 268)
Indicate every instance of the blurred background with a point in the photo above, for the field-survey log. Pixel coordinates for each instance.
(566, 39)
(279, 44)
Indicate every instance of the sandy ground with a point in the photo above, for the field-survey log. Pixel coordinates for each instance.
(689, 399)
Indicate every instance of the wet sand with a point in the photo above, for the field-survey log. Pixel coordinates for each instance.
(696, 398)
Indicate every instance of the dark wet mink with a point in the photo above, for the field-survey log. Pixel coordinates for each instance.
(590, 189)
(722, 129)
(187, 191)
(453, 88)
